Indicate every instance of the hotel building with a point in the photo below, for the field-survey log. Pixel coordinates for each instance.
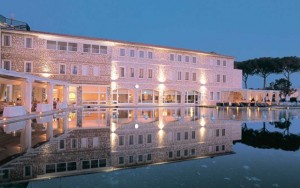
(88, 71)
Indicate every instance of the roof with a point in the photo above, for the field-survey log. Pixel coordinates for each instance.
(128, 43)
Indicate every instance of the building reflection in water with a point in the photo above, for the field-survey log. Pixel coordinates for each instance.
(105, 139)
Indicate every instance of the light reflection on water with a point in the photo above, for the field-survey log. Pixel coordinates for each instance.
(104, 140)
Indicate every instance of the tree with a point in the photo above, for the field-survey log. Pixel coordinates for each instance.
(266, 66)
(289, 65)
(283, 85)
(247, 68)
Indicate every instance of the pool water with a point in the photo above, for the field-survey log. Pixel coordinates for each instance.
(156, 147)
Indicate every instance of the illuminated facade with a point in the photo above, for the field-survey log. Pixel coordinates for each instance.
(114, 73)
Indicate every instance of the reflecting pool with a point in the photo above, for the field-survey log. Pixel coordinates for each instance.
(153, 147)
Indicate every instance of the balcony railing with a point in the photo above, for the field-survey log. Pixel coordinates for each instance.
(13, 24)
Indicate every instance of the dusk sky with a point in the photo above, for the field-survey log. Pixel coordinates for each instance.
(243, 29)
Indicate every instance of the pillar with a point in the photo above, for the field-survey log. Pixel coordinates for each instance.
(50, 88)
(26, 90)
(26, 137)
(66, 94)
(49, 133)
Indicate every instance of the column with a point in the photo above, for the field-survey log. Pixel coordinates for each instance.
(49, 133)
(66, 94)
(26, 137)
(50, 88)
(26, 89)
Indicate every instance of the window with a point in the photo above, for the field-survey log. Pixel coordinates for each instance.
(74, 143)
(131, 53)
(186, 152)
(218, 78)
(194, 60)
(122, 52)
(218, 62)
(149, 138)
(6, 40)
(74, 70)
(50, 168)
(172, 58)
(150, 55)
(218, 97)
(193, 134)
(217, 148)
(95, 49)
(84, 142)
(179, 58)
(217, 132)
(96, 71)
(51, 45)
(193, 151)
(170, 154)
(131, 140)
(28, 43)
(224, 78)
(187, 76)
(6, 64)
(61, 144)
(186, 135)
(178, 136)
(140, 158)
(187, 59)
(130, 159)
(94, 163)
(179, 76)
(61, 167)
(149, 73)
(85, 69)
(223, 132)
(178, 153)
(62, 69)
(140, 139)
(103, 49)
(102, 162)
(86, 48)
(85, 164)
(224, 63)
(149, 157)
(121, 140)
(194, 76)
(27, 171)
(122, 72)
(72, 47)
(121, 160)
(211, 96)
(71, 166)
(223, 147)
(141, 54)
(132, 72)
(141, 73)
(62, 46)
(95, 142)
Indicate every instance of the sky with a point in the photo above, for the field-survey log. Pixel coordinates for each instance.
(240, 28)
